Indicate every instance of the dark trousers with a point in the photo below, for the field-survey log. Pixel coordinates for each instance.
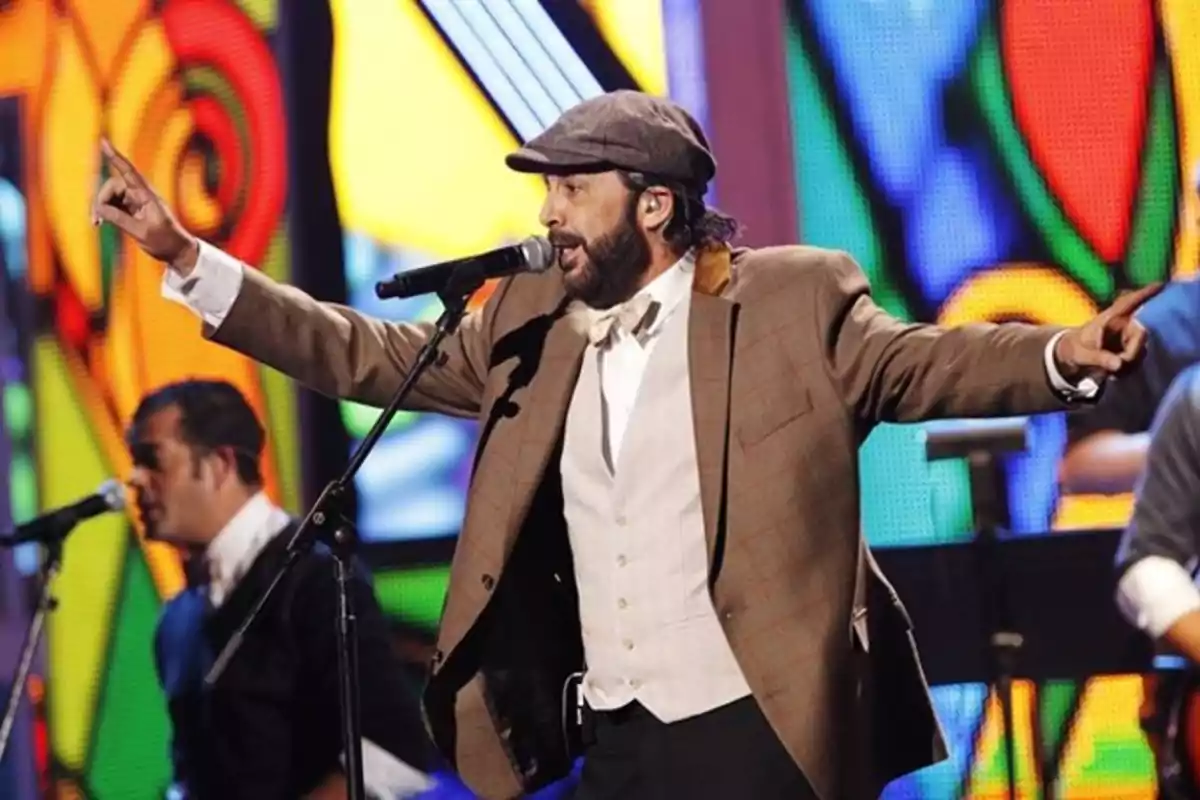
(729, 753)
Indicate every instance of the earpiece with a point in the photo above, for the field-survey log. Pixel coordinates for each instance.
(652, 204)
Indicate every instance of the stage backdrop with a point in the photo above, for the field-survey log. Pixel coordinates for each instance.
(980, 160)
(189, 90)
(990, 161)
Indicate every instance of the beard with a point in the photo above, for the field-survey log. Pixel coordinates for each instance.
(610, 265)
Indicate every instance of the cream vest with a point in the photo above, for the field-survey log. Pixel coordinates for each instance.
(650, 632)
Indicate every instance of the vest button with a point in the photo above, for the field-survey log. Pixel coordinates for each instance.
(621, 520)
(488, 582)
(622, 603)
(622, 561)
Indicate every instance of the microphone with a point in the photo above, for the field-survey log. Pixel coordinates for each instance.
(55, 525)
(534, 254)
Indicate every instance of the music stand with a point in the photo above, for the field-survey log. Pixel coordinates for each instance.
(980, 442)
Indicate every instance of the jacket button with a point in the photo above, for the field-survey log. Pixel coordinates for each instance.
(488, 582)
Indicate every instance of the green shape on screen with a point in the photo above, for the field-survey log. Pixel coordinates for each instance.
(130, 740)
(1151, 238)
(1057, 701)
(358, 418)
(413, 594)
(279, 392)
(1066, 246)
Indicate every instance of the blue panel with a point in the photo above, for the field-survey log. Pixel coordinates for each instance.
(890, 60)
(956, 224)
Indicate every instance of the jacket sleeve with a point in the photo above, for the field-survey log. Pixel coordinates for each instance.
(342, 353)
(892, 371)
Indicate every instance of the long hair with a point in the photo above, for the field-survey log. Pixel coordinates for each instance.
(693, 224)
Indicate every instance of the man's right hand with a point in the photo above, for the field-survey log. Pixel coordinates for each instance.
(129, 202)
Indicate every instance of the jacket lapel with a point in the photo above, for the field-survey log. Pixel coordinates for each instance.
(549, 397)
(710, 357)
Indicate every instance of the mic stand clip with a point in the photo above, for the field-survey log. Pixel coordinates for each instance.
(328, 522)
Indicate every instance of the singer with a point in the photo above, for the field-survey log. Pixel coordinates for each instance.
(665, 495)
(270, 728)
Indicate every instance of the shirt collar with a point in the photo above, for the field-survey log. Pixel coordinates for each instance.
(234, 549)
(670, 289)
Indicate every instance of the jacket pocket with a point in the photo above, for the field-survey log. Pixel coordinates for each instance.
(773, 407)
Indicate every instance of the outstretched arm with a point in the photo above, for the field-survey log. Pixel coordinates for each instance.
(331, 348)
(891, 371)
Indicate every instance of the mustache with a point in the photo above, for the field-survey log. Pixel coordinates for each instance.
(561, 239)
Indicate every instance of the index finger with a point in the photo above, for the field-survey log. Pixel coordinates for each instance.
(1129, 302)
(121, 164)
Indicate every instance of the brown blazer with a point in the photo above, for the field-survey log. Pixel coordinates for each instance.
(792, 364)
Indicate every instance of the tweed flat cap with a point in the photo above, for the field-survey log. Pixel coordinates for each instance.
(624, 130)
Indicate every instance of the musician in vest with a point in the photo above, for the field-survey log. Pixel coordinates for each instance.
(270, 728)
(665, 493)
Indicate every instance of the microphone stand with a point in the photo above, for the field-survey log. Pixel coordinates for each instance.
(51, 563)
(1005, 643)
(328, 522)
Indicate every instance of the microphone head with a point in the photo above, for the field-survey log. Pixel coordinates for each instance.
(113, 494)
(538, 252)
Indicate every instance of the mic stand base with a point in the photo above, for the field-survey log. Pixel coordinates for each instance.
(51, 563)
(1005, 647)
(327, 521)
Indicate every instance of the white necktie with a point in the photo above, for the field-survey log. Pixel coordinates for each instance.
(631, 316)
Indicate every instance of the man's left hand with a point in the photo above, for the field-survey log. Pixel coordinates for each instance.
(1107, 343)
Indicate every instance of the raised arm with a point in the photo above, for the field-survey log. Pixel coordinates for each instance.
(328, 347)
(1155, 590)
(892, 371)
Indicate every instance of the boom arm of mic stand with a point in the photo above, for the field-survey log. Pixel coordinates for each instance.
(328, 520)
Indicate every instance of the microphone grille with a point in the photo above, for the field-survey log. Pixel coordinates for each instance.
(113, 494)
(539, 253)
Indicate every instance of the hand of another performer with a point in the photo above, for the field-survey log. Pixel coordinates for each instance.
(129, 202)
(1108, 342)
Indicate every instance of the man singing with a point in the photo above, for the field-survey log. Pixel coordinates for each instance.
(665, 495)
(270, 728)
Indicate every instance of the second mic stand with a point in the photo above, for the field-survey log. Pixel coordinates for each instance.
(328, 522)
(51, 563)
(980, 442)
(1004, 642)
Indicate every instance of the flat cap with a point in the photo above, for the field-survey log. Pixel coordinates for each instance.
(626, 130)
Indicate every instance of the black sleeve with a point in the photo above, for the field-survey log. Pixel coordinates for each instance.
(1166, 514)
(1129, 401)
(389, 703)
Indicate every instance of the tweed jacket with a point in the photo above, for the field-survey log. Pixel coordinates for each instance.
(791, 365)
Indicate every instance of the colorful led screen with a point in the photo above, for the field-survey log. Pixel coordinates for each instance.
(989, 161)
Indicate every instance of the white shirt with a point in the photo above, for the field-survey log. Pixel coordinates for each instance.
(230, 555)
(1155, 592)
(623, 358)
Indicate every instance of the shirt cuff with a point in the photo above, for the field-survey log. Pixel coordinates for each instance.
(210, 288)
(384, 775)
(1086, 389)
(1155, 592)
